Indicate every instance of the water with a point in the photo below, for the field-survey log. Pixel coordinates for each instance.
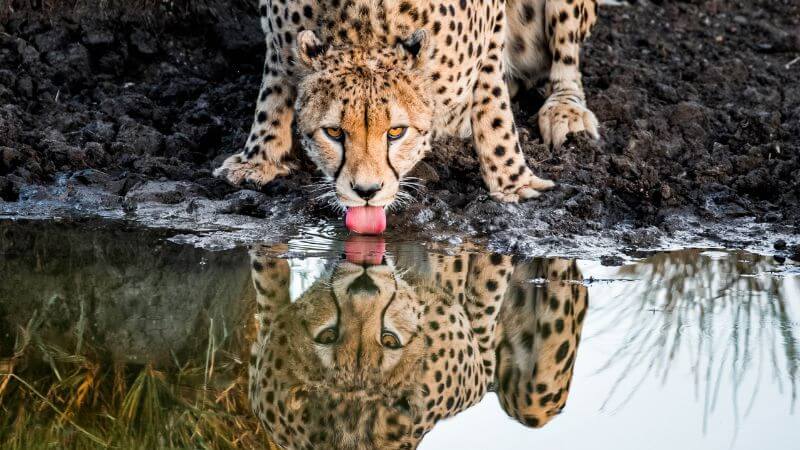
(123, 337)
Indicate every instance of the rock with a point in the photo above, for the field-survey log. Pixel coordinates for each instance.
(7, 78)
(144, 42)
(97, 37)
(51, 40)
(61, 154)
(25, 86)
(178, 145)
(611, 260)
(168, 192)
(9, 126)
(72, 62)
(99, 130)
(77, 157)
(142, 139)
(28, 53)
(686, 113)
(9, 190)
(243, 202)
(665, 191)
(780, 244)
(91, 177)
(95, 153)
(9, 158)
(424, 172)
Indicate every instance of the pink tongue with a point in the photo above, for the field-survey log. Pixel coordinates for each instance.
(365, 219)
(365, 250)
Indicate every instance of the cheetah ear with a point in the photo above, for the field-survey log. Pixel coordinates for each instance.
(309, 48)
(418, 45)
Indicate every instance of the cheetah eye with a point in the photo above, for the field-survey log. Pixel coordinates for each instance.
(334, 133)
(396, 133)
(327, 336)
(390, 340)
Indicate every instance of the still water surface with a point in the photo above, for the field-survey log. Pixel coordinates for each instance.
(111, 336)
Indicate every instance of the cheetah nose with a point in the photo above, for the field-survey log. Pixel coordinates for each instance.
(363, 285)
(367, 191)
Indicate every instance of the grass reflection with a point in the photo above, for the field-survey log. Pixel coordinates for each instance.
(53, 397)
(727, 316)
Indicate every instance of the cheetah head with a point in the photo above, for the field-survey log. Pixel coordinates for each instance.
(339, 366)
(364, 115)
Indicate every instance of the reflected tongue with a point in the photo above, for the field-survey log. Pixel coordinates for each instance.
(365, 219)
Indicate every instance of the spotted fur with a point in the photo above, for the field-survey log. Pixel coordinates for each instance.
(431, 67)
(468, 323)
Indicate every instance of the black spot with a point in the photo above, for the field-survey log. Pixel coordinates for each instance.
(545, 330)
(528, 13)
(532, 421)
(561, 353)
(527, 339)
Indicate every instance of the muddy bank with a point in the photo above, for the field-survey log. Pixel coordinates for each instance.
(126, 113)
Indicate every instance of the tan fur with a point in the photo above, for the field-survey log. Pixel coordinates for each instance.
(441, 65)
(469, 323)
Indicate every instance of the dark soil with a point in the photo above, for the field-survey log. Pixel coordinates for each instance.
(699, 105)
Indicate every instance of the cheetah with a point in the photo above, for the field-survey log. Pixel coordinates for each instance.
(374, 355)
(371, 84)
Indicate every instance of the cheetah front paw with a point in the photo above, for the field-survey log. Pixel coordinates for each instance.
(527, 186)
(559, 117)
(238, 171)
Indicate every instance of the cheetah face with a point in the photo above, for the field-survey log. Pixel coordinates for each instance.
(364, 328)
(364, 116)
(350, 351)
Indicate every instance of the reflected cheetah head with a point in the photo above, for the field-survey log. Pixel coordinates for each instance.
(340, 366)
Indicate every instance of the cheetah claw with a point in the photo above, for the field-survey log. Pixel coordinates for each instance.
(558, 118)
(528, 191)
(236, 171)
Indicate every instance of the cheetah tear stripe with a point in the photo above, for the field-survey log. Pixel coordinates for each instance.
(365, 219)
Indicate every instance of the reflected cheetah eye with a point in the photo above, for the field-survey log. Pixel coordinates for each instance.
(390, 340)
(327, 336)
(334, 133)
(396, 133)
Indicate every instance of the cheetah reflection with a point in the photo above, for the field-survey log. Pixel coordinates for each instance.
(382, 347)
